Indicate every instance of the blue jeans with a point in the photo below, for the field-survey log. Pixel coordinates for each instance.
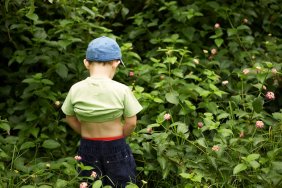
(111, 160)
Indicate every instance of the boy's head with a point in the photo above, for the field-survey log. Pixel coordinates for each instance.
(103, 49)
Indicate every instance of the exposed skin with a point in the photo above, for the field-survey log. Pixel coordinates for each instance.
(104, 129)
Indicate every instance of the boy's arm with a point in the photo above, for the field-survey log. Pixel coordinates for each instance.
(74, 123)
(129, 125)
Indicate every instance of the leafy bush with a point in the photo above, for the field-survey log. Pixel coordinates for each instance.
(207, 73)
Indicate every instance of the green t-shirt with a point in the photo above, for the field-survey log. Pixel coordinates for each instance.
(100, 100)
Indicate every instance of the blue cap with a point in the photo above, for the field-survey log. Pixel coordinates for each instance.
(103, 49)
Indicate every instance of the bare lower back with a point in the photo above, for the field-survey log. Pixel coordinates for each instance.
(100, 130)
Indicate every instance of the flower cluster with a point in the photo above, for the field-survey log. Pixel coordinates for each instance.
(270, 95)
(131, 74)
(200, 124)
(259, 124)
(83, 185)
(215, 148)
(225, 82)
(77, 157)
(93, 174)
(167, 116)
(246, 71)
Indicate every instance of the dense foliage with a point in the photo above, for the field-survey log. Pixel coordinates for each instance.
(208, 74)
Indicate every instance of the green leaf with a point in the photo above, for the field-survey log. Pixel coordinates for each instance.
(51, 144)
(202, 142)
(27, 145)
(190, 105)
(130, 186)
(89, 11)
(181, 127)
(277, 115)
(32, 16)
(225, 132)
(252, 157)
(62, 70)
(231, 32)
(186, 175)
(258, 104)
(218, 42)
(162, 161)
(172, 97)
(61, 183)
(254, 164)
(177, 73)
(239, 168)
(4, 125)
(222, 116)
(158, 100)
(97, 184)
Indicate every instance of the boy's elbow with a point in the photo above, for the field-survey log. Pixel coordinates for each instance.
(131, 121)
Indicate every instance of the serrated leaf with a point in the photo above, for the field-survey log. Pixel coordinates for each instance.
(162, 161)
(62, 70)
(61, 183)
(231, 32)
(202, 142)
(129, 186)
(239, 168)
(51, 144)
(32, 16)
(218, 42)
(258, 104)
(97, 184)
(254, 164)
(27, 145)
(158, 100)
(172, 97)
(277, 116)
(252, 157)
(225, 132)
(5, 126)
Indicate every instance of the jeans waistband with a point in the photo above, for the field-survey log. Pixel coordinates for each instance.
(105, 138)
(92, 146)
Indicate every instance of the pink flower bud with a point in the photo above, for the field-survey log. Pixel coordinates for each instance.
(131, 73)
(167, 117)
(77, 157)
(200, 124)
(246, 71)
(93, 174)
(225, 82)
(264, 87)
(149, 130)
(213, 51)
(274, 71)
(83, 185)
(270, 95)
(259, 124)
(242, 134)
(245, 20)
(215, 148)
(217, 26)
(57, 103)
(196, 61)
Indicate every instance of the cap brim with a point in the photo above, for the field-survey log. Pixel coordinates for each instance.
(122, 62)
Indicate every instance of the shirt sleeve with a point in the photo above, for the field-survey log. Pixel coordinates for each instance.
(67, 106)
(131, 104)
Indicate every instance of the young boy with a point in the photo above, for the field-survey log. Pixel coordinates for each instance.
(95, 108)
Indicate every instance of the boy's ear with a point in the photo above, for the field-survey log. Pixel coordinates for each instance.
(86, 63)
(116, 63)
